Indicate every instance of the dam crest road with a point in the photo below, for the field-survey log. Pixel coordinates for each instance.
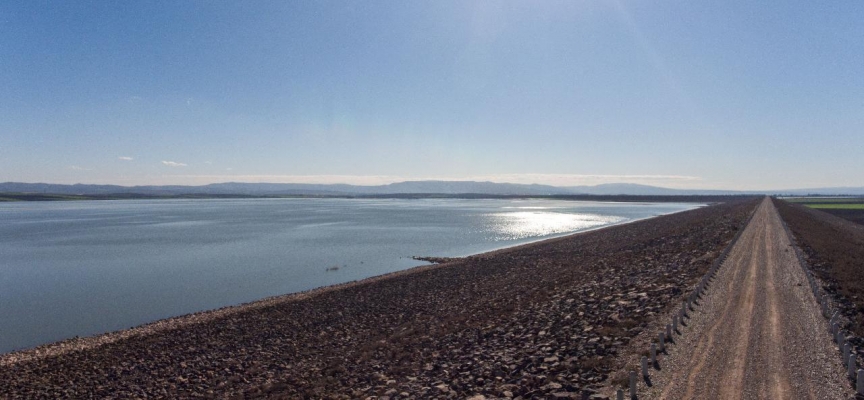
(759, 332)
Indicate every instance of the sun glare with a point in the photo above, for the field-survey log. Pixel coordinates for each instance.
(525, 224)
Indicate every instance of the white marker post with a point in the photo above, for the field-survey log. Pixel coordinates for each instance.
(620, 394)
(653, 354)
(846, 348)
(662, 341)
(825, 306)
(632, 384)
(860, 382)
(644, 362)
(851, 366)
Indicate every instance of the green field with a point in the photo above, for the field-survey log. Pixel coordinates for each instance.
(823, 200)
(836, 206)
(830, 203)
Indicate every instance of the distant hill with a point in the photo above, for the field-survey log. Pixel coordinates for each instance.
(412, 187)
(409, 187)
(460, 187)
(634, 189)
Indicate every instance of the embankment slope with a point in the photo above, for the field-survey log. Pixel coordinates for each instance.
(834, 250)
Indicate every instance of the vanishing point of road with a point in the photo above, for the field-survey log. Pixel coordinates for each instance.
(759, 333)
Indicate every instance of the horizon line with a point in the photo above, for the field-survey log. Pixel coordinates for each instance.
(436, 180)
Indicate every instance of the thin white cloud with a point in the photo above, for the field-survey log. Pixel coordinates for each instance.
(174, 164)
(77, 168)
(125, 158)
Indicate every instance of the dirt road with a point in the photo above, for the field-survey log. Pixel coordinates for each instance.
(758, 334)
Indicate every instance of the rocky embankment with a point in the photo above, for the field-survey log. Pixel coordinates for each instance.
(834, 250)
(544, 320)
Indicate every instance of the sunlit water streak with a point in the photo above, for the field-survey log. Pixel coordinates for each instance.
(81, 268)
(521, 225)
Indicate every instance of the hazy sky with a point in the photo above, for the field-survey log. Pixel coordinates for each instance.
(689, 94)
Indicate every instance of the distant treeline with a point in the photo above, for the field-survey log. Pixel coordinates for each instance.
(614, 198)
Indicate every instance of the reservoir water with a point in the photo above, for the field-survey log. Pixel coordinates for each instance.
(87, 267)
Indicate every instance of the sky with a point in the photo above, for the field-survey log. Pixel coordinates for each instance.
(683, 94)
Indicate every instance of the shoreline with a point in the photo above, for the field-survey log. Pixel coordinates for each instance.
(88, 342)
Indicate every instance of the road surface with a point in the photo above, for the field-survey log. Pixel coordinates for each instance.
(759, 333)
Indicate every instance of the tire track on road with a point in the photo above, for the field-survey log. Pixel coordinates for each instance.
(780, 386)
(744, 315)
(698, 358)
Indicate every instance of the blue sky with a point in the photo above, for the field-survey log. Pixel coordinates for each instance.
(730, 94)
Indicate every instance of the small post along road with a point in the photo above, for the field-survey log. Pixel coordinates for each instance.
(758, 332)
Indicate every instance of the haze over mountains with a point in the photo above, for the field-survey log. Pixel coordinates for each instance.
(409, 187)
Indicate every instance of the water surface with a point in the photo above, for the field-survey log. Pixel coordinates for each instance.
(87, 267)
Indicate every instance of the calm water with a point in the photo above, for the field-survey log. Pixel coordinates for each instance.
(81, 268)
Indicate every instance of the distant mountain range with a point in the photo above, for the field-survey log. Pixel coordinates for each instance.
(410, 187)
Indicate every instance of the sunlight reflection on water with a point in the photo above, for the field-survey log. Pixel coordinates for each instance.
(524, 224)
